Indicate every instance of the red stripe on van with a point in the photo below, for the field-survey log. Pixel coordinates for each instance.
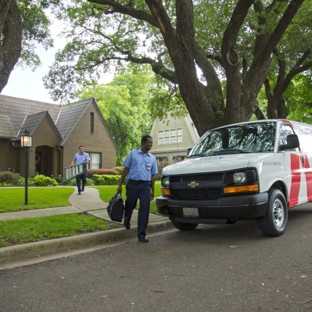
(308, 175)
(295, 180)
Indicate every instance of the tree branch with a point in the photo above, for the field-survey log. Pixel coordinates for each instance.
(128, 10)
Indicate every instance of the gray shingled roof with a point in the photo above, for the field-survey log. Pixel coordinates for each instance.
(6, 127)
(70, 116)
(32, 122)
(17, 109)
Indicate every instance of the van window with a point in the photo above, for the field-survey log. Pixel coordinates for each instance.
(244, 138)
(285, 131)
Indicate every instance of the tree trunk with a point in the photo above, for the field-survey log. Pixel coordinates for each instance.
(10, 40)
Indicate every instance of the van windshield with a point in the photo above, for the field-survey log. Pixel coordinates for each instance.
(245, 138)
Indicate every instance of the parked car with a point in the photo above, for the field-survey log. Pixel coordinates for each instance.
(249, 170)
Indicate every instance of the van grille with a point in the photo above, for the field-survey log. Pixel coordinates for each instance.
(180, 190)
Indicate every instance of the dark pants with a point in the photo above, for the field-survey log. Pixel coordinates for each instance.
(134, 191)
(81, 177)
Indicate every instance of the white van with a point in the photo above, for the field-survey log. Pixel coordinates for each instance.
(256, 169)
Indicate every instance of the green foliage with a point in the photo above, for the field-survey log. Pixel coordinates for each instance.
(91, 172)
(13, 232)
(270, 41)
(124, 106)
(42, 180)
(119, 169)
(72, 182)
(105, 179)
(299, 99)
(9, 178)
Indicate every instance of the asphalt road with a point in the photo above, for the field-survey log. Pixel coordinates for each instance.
(214, 268)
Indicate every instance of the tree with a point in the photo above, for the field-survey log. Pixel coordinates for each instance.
(10, 39)
(23, 24)
(192, 45)
(124, 106)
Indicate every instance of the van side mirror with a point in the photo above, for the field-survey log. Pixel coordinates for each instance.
(292, 142)
(188, 150)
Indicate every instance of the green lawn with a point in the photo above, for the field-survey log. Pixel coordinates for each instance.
(14, 232)
(13, 199)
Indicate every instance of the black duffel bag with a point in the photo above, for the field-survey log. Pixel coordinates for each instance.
(116, 208)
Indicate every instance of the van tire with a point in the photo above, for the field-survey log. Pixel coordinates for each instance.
(184, 226)
(275, 220)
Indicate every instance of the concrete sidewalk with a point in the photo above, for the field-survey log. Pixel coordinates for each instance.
(88, 202)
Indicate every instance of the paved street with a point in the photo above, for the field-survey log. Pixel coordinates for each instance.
(214, 268)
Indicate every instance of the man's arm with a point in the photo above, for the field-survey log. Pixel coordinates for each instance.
(73, 161)
(153, 186)
(123, 176)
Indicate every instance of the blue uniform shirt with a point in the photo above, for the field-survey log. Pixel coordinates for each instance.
(80, 158)
(141, 166)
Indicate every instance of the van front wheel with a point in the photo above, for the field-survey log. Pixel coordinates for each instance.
(184, 226)
(275, 220)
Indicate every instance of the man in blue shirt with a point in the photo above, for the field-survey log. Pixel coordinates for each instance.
(81, 158)
(140, 167)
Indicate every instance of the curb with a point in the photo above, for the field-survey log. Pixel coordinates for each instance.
(20, 252)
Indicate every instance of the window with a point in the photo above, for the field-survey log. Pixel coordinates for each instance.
(95, 160)
(91, 122)
(179, 135)
(160, 137)
(285, 130)
(173, 136)
(166, 136)
(162, 160)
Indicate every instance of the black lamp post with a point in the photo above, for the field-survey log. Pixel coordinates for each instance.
(26, 141)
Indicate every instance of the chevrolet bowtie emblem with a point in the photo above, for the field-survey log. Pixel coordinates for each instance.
(192, 184)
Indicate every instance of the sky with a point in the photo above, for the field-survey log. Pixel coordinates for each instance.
(28, 84)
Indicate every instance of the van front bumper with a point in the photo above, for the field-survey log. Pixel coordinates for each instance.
(224, 208)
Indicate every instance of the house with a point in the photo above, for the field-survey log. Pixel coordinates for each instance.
(57, 132)
(172, 138)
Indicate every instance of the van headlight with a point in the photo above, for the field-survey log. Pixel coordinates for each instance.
(165, 182)
(239, 177)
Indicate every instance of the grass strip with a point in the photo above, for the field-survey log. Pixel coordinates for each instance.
(12, 199)
(21, 231)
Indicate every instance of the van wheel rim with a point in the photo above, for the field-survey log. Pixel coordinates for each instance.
(278, 213)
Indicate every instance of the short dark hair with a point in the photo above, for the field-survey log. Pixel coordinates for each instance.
(80, 146)
(145, 137)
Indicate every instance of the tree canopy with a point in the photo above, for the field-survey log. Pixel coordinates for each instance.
(124, 104)
(193, 47)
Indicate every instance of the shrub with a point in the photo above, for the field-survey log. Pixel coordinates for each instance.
(42, 180)
(72, 182)
(119, 169)
(9, 178)
(91, 172)
(57, 177)
(106, 179)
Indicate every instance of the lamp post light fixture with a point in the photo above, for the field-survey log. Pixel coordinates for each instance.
(26, 141)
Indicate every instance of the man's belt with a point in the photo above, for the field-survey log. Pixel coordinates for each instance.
(138, 181)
